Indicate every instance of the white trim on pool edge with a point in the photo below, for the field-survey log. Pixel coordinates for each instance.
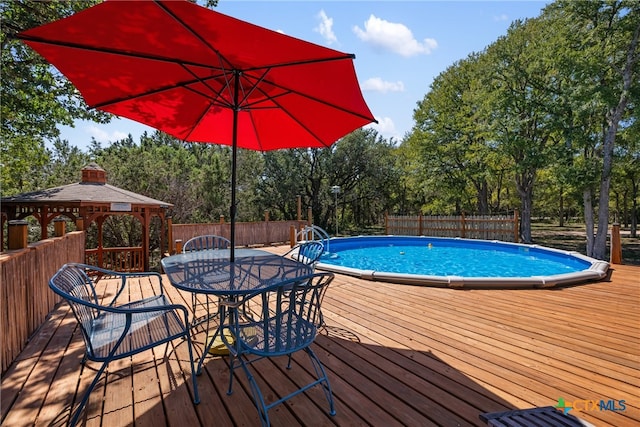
(596, 271)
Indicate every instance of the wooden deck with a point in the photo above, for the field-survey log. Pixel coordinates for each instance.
(395, 354)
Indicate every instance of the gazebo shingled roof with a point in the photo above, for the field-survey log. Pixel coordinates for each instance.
(84, 202)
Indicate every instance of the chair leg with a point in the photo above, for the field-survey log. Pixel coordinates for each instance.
(232, 366)
(321, 374)
(196, 395)
(76, 414)
(256, 393)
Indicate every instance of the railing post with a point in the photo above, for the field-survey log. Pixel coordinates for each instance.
(178, 246)
(309, 216)
(80, 224)
(616, 244)
(221, 219)
(59, 227)
(169, 234)
(292, 235)
(17, 234)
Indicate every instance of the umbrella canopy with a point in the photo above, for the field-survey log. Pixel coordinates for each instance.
(202, 76)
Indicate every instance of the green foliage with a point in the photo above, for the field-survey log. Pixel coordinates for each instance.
(36, 98)
(544, 100)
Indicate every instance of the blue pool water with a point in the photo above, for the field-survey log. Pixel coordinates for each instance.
(449, 257)
(442, 260)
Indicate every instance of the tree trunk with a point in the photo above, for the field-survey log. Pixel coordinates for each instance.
(588, 219)
(482, 189)
(634, 209)
(524, 185)
(614, 117)
(561, 207)
(600, 244)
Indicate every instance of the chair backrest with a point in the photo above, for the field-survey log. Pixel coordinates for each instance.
(204, 242)
(308, 252)
(75, 286)
(285, 318)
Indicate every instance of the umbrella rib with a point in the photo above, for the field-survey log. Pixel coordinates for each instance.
(195, 34)
(136, 55)
(254, 87)
(313, 98)
(184, 85)
(342, 57)
(302, 125)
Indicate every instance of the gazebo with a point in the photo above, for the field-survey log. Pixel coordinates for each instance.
(88, 201)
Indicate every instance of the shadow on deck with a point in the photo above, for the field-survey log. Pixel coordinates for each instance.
(395, 355)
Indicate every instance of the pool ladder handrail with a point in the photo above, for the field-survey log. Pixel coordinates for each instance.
(314, 232)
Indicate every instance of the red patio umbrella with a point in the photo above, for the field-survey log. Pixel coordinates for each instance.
(202, 76)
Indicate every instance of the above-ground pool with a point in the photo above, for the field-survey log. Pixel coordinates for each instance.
(458, 263)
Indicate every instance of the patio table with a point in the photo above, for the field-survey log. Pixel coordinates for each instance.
(211, 272)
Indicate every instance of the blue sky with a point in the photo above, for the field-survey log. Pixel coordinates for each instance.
(400, 47)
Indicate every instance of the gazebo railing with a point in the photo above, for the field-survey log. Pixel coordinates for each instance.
(117, 259)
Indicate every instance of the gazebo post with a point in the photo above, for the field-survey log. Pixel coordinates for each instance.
(99, 223)
(44, 222)
(146, 226)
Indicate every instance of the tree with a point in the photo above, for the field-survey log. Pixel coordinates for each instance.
(600, 56)
(452, 138)
(36, 98)
(521, 82)
(362, 164)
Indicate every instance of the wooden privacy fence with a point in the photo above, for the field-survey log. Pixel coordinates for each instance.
(247, 233)
(488, 227)
(26, 297)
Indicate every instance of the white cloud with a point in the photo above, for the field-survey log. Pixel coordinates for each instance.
(385, 127)
(325, 28)
(103, 136)
(501, 18)
(376, 84)
(393, 37)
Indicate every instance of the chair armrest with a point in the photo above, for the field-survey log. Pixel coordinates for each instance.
(123, 276)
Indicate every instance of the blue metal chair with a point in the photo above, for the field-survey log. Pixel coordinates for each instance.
(204, 243)
(307, 252)
(113, 330)
(282, 321)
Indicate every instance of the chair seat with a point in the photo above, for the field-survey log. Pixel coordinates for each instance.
(147, 328)
(546, 416)
(298, 334)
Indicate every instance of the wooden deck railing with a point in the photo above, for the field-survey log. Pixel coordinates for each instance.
(488, 227)
(247, 233)
(117, 259)
(26, 298)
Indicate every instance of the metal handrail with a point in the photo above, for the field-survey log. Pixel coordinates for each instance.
(314, 232)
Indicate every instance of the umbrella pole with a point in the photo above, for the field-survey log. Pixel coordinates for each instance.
(234, 154)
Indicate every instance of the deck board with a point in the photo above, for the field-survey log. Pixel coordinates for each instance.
(395, 355)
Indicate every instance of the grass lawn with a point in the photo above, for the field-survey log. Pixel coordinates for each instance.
(572, 238)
